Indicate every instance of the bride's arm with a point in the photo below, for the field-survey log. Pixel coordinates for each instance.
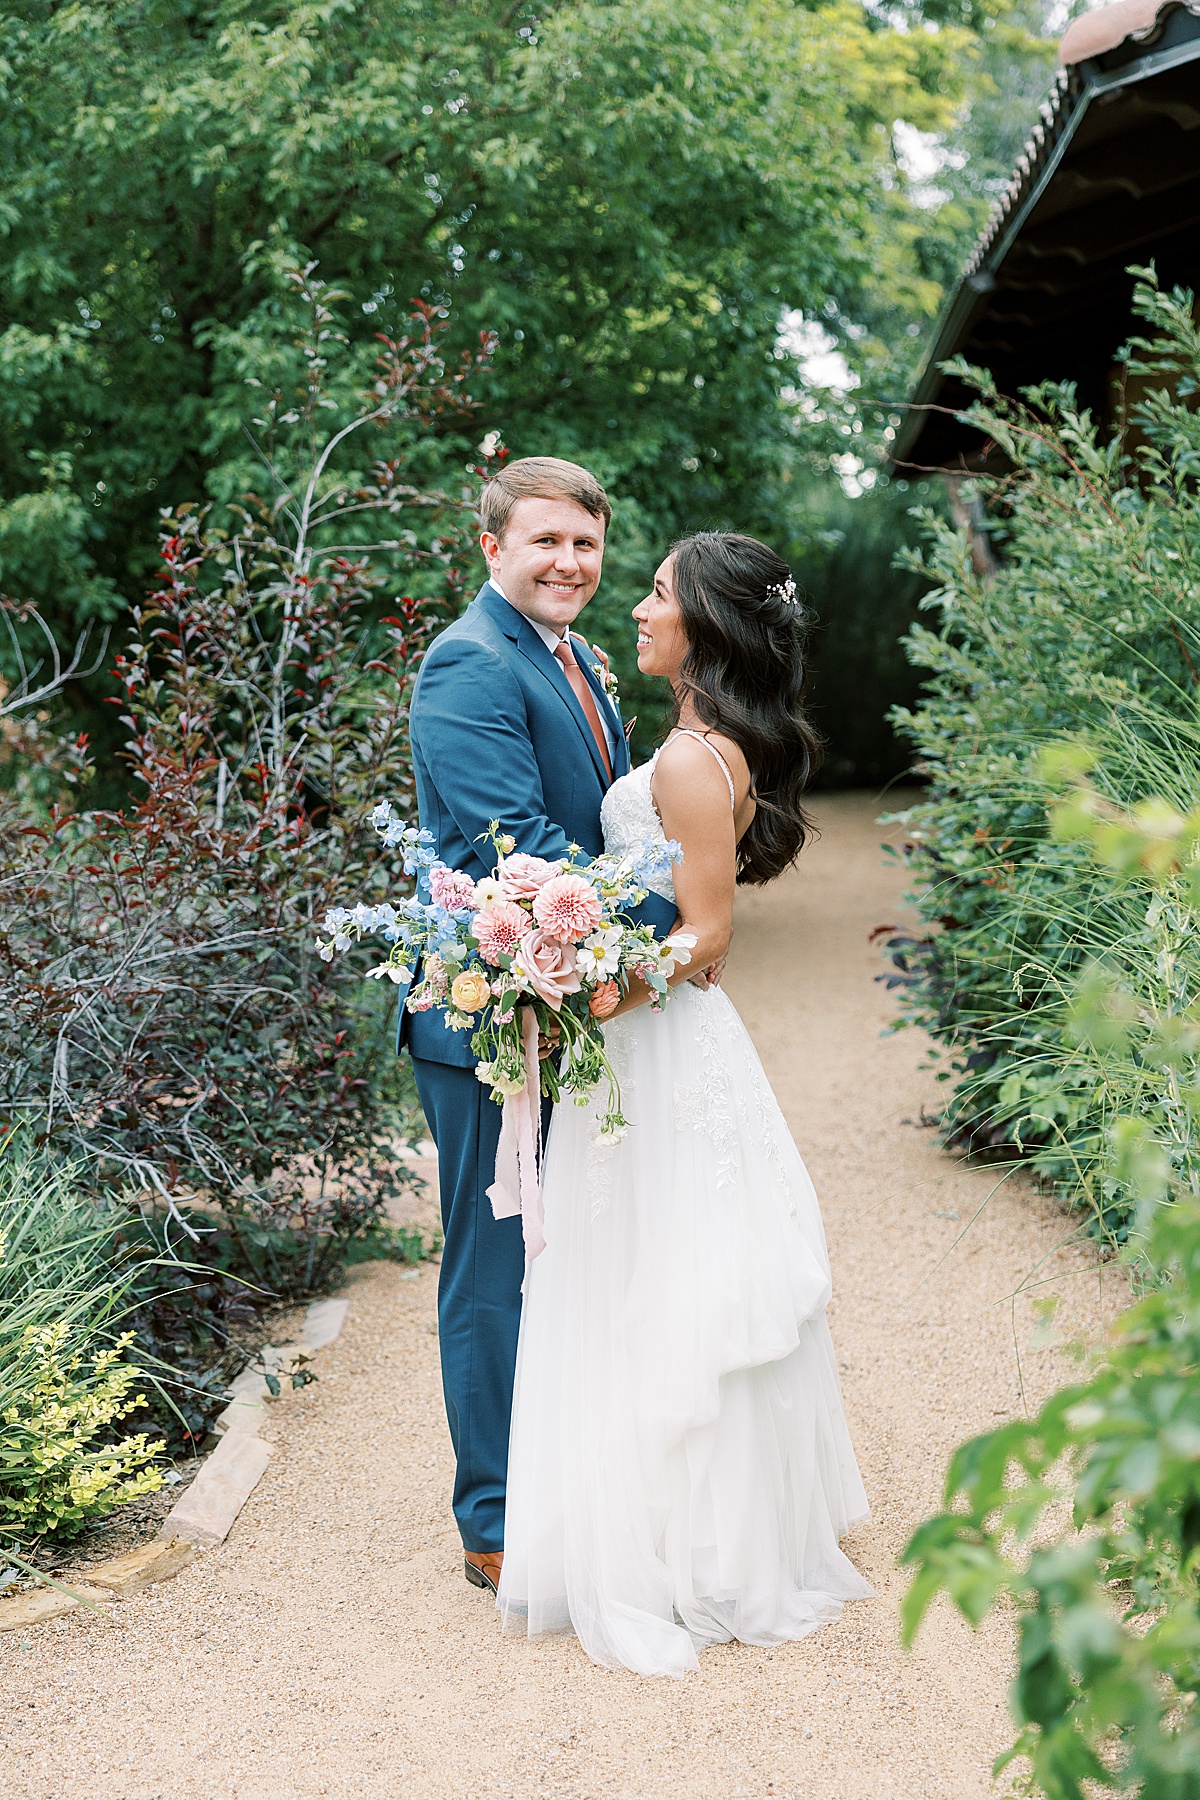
(692, 798)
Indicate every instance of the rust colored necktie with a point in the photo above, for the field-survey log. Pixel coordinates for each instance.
(586, 699)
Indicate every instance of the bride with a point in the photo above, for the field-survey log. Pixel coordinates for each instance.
(680, 1470)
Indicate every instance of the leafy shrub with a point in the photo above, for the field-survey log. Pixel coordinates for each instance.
(64, 1383)
(1109, 1622)
(163, 1014)
(55, 1476)
(1090, 629)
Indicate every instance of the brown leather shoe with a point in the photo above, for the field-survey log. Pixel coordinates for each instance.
(482, 1568)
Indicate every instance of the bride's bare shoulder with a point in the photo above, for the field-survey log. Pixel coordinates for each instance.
(685, 759)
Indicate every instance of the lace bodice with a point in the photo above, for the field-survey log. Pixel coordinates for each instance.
(629, 820)
(629, 817)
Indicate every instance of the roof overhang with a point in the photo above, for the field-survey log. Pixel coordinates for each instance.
(1110, 178)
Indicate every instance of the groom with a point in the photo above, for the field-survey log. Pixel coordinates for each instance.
(510, 721)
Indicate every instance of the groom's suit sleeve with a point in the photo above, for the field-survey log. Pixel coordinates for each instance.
(469, 721)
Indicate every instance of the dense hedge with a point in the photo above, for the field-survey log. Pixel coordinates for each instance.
(1058, 867)
(1090, 631)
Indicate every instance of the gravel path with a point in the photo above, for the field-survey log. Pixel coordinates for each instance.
(332, 1646)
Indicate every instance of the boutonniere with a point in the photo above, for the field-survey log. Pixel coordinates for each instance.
(608, 680)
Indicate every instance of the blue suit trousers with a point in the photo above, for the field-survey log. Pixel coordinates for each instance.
(479, 1294)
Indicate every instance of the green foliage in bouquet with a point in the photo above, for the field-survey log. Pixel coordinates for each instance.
(163, 1015)
(1090, 630)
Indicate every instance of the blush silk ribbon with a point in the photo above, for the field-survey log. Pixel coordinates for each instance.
(517, 1188)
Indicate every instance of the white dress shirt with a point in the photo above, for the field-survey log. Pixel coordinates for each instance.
(552, 639)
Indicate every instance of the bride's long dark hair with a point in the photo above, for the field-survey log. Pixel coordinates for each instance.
(745, 672)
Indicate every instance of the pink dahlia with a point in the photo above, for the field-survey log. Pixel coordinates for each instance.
(521, 876)
(499, 929)
(568, 908)
(451, 888)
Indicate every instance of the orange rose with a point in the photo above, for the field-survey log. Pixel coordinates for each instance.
(605, 1000)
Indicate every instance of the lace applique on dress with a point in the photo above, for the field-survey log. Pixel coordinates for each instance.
(600, 1153)
(629, 820)
(768, 1124)
(708, 1107)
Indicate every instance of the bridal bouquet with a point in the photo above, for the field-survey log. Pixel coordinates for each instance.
(535, 947)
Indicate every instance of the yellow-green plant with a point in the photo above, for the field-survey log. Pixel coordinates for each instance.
(65, 1386)
(60, 1463)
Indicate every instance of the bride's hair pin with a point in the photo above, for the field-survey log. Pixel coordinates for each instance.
(785, 591)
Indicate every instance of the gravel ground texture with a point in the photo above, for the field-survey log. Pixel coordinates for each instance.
(331, 1646)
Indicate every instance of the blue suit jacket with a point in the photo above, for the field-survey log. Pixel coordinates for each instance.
(497, 733)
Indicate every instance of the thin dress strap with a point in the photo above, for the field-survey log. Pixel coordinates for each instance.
(682, 731)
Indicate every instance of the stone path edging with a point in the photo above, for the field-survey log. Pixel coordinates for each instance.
(204, 1513)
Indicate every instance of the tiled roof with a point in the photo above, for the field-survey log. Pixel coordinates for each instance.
(1109, 178)
(1053, 114)
(1091, 34)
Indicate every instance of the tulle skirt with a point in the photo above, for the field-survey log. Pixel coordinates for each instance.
(680, 1470)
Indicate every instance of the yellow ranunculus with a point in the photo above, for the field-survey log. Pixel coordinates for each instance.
(470, 991)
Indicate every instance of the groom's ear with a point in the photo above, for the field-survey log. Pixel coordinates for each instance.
(489, 543)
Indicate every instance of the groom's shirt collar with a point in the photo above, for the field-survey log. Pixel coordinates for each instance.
(552, 639)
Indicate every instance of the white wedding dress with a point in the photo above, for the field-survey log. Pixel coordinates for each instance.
(680, 1470)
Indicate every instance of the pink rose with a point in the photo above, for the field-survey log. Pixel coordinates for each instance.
(567, 907)
(499, 929)
(549, 967)
(521, 876)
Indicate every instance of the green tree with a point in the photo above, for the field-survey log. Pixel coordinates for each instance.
(629, 192)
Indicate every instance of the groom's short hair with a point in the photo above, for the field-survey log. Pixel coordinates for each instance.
(539, 478)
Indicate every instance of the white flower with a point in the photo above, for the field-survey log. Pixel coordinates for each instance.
(487, 890)
(610, 1132)
(676, 952)
(324, 951)
(600, 955)
(394, 971)
(491, 1076)
(518, 976)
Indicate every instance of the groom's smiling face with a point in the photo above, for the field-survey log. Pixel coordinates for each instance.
(549, 560)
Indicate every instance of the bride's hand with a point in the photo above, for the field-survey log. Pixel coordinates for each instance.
(710, 977)
(548, 1040)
